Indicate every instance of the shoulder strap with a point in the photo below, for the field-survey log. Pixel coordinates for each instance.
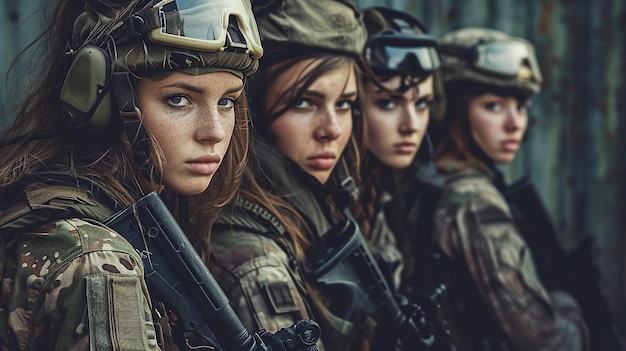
(43, 205)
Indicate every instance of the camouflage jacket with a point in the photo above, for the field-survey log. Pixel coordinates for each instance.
(494, 287)
(255, 263)
(256, 267)
(68, 282)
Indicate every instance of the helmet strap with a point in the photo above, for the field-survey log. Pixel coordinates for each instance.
(130, 115)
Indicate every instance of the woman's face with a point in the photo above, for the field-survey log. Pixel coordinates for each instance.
(397, 123)
(498, 124)
(192, 119)
(316, 128)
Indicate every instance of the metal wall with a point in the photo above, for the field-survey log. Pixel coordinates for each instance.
(576, 152)
(20, 23)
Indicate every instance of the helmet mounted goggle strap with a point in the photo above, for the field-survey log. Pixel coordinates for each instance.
(512, 58)
(208, 26)
(390, 54)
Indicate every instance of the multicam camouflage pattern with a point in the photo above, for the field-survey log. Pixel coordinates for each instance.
(475, 228)
(255, 265)
(69, 284)
(247, 239)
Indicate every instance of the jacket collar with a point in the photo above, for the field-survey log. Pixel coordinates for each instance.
(283, 176)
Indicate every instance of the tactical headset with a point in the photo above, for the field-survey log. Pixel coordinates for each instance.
(85, 94)
(207, 26)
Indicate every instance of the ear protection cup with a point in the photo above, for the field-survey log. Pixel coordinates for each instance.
(85, 96)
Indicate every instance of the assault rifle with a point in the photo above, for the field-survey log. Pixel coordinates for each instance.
(342, 263)
(177, 274)
(574, 272)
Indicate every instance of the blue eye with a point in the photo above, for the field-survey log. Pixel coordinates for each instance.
(385, 104)
(423, 104)
(178, 101)
(493, 106)
(344, 105)
(302, 103)
(226, 102)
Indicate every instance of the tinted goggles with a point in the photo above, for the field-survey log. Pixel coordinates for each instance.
(403, 54)
(503, 58)
(203, 25)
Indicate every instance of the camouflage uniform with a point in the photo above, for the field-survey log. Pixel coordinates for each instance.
(255, 263)
(495, 293)
(68, 282)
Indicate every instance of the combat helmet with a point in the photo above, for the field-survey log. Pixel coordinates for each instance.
(140, 38)
(490, 58)
(294, 28)
(398, 44)
(115, 43)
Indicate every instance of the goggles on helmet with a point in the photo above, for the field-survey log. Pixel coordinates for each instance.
(201, 25)
(390, 54)
(504, 57)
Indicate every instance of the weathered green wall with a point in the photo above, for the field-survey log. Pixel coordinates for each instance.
(20, 23)
(576, 151)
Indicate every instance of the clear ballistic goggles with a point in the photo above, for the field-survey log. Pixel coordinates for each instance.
(403, 54)
(504, 58)
(204, 25)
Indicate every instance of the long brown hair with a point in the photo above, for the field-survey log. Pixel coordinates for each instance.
(37, 139)
(320, 64)
(455, 139)
(301, 235)
(40, 141)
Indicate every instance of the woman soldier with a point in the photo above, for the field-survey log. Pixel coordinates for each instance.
(402, 61)
(136, 96)
(307, 136)
(497, 299)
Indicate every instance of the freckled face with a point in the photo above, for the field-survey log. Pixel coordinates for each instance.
(192, 119)
(498, 124)
(316, 128)
(397, 124)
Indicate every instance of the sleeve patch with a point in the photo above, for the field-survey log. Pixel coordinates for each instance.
(280, 298)
(116, 312)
